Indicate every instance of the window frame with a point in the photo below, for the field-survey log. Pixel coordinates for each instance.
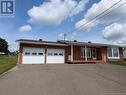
(27, 53)
(55, 54)
(41, 54)
(112, 51)
(60, 54)
(50, 54)
(82, 52)
(34, 53)
(90, 55)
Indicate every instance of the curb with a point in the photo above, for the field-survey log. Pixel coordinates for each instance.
(12, 69)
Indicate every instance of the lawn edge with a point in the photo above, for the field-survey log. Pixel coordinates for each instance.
(8, 71)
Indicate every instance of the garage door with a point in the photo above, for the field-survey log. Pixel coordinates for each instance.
(33, 55)
(55, 56)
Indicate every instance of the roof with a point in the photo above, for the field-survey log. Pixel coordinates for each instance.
(40, 41)
(87, 43)
(64, 43)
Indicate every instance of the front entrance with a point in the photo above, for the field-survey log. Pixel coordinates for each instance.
(88, 53)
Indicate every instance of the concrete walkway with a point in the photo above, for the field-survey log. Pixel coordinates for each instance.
(67, 79)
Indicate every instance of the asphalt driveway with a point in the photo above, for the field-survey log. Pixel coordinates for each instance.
(67, 79)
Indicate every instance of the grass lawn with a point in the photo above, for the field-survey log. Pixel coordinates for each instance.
(118, 62)
(7, 62)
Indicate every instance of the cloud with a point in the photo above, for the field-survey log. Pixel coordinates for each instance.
(116, 15)
(84, 25)
(54, 12)
(115, 33)
(25, 28)
(79, 8)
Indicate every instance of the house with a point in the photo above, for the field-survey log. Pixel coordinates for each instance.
(62, 51)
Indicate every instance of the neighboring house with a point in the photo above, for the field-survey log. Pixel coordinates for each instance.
(60, 52)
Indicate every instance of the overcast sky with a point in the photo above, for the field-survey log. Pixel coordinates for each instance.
(49, 19)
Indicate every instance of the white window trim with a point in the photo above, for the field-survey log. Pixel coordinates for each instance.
(84, 51)
(113, 54)
(89, 53)
(113, 57)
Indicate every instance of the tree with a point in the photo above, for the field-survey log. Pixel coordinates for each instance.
(14, 53)
(4, 46)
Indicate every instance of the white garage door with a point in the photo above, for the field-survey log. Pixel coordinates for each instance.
(33, 55)
(55, 56)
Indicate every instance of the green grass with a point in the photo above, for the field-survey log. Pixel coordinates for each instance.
(7, 62)
(118, 62)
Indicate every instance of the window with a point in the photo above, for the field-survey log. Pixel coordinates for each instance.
(110, 52)
(82, 52)
(113, 52)
(27, 53)
(88, 52)
(60, 54)
(50, 54)
(40, 53)
(55, 54)
(34, 53)
(93, 52)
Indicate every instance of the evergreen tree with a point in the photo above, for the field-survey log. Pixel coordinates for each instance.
(4, 46)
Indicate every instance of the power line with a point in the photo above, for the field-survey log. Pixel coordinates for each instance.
(110, 11)
(93, 19)
(101, 13)
(104, 15)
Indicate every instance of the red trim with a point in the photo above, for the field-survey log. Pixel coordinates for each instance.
(20, 54)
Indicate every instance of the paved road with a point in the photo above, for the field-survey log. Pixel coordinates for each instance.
(89, 79)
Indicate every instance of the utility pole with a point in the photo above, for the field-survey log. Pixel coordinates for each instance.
(65, 36)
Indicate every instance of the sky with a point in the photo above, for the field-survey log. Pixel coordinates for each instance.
(50, 19)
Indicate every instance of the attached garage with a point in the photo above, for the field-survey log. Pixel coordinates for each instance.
(38, 56)
(33, 55)
(55, 56)
(41, 52)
